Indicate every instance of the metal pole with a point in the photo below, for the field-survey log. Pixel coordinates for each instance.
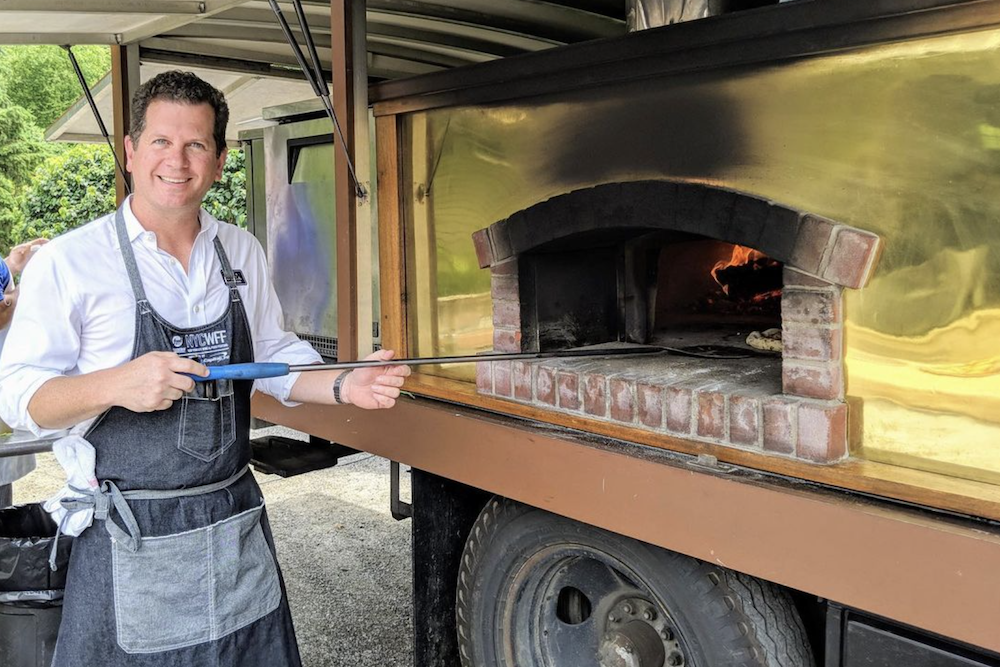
(18, 444)
(475, 358)
(97, 114)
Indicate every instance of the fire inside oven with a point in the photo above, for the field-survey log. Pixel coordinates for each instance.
(669, 289)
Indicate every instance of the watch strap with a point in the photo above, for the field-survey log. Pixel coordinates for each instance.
(337, 386)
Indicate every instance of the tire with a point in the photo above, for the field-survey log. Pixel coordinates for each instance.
(539, 590)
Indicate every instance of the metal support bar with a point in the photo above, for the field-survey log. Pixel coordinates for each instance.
(400, 510)
(97, 115)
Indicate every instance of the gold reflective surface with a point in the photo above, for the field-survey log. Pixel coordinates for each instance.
(902, 140)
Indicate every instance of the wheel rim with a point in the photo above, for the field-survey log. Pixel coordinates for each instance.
(574, 605)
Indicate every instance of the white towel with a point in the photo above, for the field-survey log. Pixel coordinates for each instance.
(77, 458)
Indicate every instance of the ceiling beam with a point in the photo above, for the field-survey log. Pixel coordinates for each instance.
(435, 41)
(72, 38)
(379, 66)
(192, 7)
(168, 23)
(148, 54)
(181, 47)
(272, 35)
(389, 67)
(512, 16)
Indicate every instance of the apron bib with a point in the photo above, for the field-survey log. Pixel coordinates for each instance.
(179, 567)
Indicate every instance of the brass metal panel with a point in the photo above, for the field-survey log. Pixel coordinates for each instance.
(936, 574)
(902, 140)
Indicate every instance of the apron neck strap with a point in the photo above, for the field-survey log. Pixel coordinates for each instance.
(227, 269)
(129, 256)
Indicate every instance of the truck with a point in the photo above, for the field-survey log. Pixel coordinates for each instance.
(795, 202)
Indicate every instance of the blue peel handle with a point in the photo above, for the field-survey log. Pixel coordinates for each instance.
(244, 372)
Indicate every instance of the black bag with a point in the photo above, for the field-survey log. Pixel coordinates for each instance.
(26, 536)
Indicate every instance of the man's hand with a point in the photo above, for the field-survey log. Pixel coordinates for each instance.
(153, 381)
(374, 388)
(21, 254)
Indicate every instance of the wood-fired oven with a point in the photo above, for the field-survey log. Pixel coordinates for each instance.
(694, 269)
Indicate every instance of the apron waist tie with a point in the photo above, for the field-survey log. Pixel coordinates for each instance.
(108, 499)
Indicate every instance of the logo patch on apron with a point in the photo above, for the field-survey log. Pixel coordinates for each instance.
(208, 347)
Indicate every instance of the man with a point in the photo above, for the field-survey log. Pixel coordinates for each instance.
(179, 567)
(12, 468)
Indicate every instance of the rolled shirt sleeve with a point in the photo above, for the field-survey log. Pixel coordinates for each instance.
(43, 341)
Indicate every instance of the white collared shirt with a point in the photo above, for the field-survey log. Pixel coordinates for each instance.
(76, 310)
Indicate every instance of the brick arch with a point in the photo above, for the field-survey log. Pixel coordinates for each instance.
(833, 252)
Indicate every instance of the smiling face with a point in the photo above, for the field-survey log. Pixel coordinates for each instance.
(174, 162)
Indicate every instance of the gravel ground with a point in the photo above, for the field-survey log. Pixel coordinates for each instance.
(346, 561)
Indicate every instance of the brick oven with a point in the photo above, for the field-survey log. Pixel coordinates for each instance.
(685, 266)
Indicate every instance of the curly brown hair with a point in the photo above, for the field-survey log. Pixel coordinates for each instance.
(185, 87)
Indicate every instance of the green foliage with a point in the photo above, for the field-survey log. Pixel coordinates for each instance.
(21, 144)
(10, 214)
(77, 185)
(41, 78)
(68, 189)
(227, 200)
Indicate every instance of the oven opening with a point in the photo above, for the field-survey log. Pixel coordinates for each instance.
(673, 290)
(716, 294)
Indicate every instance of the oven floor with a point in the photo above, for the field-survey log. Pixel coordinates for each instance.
(757, 375)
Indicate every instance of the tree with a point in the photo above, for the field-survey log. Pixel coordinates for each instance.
(10, 214)
(21, 143)
(41, 78)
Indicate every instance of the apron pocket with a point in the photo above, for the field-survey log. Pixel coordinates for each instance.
(208, 420)
(193, 587)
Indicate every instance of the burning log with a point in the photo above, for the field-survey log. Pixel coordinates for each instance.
(749, 276)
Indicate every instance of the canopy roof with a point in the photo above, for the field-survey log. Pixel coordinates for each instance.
(238, 46)
(405, 37)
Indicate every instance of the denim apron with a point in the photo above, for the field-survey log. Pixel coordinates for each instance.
(179, 566)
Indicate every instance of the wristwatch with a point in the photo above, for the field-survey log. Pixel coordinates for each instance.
(337, 384)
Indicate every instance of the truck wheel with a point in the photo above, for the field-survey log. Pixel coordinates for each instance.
(536, 589)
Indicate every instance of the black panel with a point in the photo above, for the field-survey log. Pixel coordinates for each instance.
(857, 639)
(868, 646)
(443, 513)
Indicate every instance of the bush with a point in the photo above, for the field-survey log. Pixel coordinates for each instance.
(227, 200)
(77, 185)
(68, 189)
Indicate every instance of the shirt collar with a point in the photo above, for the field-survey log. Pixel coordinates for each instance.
(134, 228)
